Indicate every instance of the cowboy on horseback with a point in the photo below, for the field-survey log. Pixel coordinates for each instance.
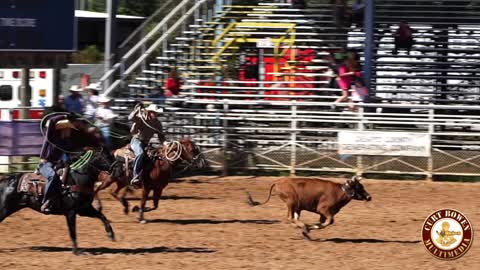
(145, 126)
(58, 137)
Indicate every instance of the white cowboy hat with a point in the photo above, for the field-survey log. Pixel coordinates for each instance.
(103, 99)
(153, 108)
(94, 86)
(75, 88)
(64, 124)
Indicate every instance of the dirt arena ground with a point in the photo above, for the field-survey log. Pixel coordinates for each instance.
(204, 223)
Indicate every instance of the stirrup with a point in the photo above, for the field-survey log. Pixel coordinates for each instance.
(135, 181)
(45, 208)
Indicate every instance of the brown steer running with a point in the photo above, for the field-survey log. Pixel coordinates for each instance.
(315, 195)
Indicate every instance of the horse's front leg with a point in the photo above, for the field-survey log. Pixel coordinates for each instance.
(106, 180)
(71, 217)
(94, 213)
(143, 202)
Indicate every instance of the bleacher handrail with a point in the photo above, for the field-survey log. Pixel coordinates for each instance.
(144, 24)
(126, 71)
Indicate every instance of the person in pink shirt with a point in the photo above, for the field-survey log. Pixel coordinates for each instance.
(349, 70)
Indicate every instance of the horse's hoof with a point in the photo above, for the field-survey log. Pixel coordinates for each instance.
(78, 252)
(125, 211)
(112, 237)
(143, 221)
(305, 232)
(135, 209)
(306, 236)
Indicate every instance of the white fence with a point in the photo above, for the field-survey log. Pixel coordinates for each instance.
(300, 136)
(294, 136)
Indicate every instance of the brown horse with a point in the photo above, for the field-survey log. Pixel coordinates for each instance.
(156, 176)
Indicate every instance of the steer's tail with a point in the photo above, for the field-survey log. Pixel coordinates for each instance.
(251, 202)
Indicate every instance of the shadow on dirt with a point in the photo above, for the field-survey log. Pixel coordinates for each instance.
(365, 240)
(174, 198)
(213, 221)
(127, 251)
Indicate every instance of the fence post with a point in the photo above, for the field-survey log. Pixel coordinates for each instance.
(360, 127)
(225, 138)
(293, 139)
(431, 130)
(369, 26)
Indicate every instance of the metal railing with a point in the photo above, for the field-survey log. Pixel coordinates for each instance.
(299, 136)
(124, 68)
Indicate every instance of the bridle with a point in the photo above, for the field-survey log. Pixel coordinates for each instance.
(348, 190)
(178, 155)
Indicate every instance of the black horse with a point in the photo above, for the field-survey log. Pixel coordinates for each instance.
(75, 198)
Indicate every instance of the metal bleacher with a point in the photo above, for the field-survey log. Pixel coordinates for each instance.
(431, 90)
(443, 66)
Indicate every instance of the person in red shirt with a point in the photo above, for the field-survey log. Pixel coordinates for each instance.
(173, 84)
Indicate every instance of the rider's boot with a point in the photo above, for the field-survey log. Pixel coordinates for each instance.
(46, 207)
(49, 194)
(137, 180)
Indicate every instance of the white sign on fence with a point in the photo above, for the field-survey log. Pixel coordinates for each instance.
(265, 43)
(384, 143)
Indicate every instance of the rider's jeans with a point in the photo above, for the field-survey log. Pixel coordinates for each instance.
(106, 136)
(46, 169)
(137, 147)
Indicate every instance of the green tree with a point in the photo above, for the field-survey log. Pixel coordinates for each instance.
(129, 7)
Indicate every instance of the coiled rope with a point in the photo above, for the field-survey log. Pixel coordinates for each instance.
(169, 149)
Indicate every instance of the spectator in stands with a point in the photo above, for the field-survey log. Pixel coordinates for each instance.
(359, 94)
(157, 94)
(91, 103)
(358, 8)
(58, 106)
(340, 13)
(349, 70)
(173, 84)
(74, 102)
(104, 117)
(298, 4)
(403, 38)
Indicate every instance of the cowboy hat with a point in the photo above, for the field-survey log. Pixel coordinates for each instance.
(64, 124)
(94, 86)
(103, 99)
(153, 108)
(75, 88)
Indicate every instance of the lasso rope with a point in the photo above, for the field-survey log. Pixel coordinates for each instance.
(112, 133)
(82, 161)
(169, 149)
(54, 145)
(145, 122)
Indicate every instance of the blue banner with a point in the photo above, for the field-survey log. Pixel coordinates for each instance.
(20, 138)
(37, 25)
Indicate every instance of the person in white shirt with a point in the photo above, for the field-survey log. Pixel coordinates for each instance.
(104, 117)
(91, 103)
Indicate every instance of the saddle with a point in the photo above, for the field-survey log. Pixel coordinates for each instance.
(32, 184)
(125, 153)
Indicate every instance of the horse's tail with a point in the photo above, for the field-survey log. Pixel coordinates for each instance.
(251, 202)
